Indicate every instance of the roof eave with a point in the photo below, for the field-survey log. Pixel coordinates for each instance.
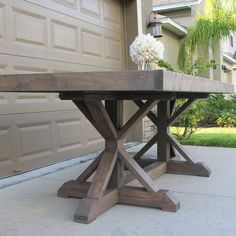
(175, 6)
(229, 59)
(173, 26)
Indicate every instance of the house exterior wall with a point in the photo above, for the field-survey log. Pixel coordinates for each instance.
(185, 17)
(171, 43)
(229, 47)
(217, 55)
(182, 16)
(227, 75)
(234, 79)
(227, 44)
(38, 36)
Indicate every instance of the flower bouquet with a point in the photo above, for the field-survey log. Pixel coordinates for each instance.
(145, 51)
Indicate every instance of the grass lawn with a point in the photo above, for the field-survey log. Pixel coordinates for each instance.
(215, 137)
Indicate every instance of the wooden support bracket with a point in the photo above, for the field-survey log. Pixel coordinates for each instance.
(162, 199)
(89, 208)
(186, 168)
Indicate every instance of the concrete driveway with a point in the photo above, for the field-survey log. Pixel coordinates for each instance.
(208, 205)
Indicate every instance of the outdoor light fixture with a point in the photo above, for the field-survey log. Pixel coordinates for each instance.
(225, 69)
(214, 64)
(155, 24)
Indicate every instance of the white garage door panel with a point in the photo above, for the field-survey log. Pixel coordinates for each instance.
(43, 33)
(41, 36)
(104, 13)
(29, 139)
(12, 64)
(2, 20)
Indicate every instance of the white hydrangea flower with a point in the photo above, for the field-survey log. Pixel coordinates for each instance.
(145, 48)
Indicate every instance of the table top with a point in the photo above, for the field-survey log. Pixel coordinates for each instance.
(112, 81)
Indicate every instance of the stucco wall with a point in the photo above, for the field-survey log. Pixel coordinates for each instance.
(227, 76)
(172, 44)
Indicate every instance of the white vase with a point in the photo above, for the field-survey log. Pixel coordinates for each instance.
(146, 66)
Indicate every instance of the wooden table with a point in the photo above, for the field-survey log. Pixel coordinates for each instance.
(116, 172)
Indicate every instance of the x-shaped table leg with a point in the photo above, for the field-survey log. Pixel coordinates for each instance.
(166, 142)
(108, 185)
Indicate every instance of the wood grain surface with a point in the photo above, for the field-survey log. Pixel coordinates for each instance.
(119, 81)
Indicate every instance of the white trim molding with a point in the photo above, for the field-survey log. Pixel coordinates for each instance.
(176, 6)
(173, 26)
(229, 59)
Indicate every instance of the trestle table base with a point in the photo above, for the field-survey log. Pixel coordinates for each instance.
(111, 183)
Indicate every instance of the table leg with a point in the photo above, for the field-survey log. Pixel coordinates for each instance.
(188, 167)
(172, 111)
(163, 144)
(166, 116)
(108, 186)
(115, 112)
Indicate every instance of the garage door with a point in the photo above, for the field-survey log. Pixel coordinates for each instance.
(52, 36)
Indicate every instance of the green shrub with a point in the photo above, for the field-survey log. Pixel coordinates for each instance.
(213, 109)
(190, 119)
(226, 119)
(212, 112)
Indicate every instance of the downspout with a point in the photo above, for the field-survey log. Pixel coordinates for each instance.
(139, 17)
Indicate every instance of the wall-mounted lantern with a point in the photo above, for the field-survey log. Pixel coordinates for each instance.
(225, 69)
(214, 66)
(155, 24)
